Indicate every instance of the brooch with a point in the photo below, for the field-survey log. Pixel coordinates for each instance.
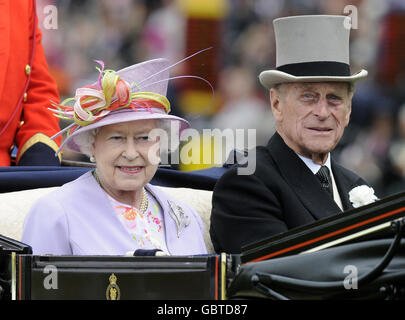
(178, 215)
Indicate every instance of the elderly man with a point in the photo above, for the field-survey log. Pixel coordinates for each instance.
(296, 180)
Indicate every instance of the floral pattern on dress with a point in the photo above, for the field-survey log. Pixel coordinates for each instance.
(130, 214)
(147, 229)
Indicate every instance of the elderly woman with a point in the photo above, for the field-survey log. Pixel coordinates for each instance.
(114, 210)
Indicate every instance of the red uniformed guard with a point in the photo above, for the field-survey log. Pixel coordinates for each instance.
(26, 88)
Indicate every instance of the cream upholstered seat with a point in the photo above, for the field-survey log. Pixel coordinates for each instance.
(14, 206)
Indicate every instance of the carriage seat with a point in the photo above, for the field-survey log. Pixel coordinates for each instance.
(15, 205)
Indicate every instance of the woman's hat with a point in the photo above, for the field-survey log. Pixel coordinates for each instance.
(313, 48)
(137, 92)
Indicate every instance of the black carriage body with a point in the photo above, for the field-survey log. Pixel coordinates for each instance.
(51, 277)
(304, 263)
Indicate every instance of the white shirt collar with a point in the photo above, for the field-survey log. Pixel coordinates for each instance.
(314, 167)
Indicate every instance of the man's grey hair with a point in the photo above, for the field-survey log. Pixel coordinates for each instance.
(85, 140)
(351, 87)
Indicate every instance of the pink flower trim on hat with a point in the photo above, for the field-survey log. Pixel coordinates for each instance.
(92, 103)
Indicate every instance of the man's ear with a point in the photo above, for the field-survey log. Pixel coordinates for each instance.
(275, 96)
(349, 111)
(349, 107)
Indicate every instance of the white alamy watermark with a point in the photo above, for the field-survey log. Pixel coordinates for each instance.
(350, 282)
(209, 147)
(51, 280)
(50, 21)
(351, 21)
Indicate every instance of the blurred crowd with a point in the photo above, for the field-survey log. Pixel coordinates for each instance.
(124, 32)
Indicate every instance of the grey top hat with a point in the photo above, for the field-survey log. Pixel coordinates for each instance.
(312, 48)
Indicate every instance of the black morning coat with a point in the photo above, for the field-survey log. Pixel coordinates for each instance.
(281, 194)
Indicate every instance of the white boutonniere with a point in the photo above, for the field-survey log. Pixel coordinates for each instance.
(362, 195)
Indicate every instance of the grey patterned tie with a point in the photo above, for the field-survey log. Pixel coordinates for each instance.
(325, 179)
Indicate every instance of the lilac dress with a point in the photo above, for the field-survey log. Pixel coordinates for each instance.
(79, 219)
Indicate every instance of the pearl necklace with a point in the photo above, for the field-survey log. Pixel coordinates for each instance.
(144, 202)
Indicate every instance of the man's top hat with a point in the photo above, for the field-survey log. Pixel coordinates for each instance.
(312, 48)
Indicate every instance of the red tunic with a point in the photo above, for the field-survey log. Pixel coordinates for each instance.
(26, 87)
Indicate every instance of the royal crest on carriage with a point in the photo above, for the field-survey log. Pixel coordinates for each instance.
(113, 290)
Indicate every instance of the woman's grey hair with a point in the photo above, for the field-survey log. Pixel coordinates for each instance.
(85, 140)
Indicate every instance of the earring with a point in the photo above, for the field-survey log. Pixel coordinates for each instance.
(92, 159)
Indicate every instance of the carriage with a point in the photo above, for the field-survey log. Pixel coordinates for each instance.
(359, 255)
